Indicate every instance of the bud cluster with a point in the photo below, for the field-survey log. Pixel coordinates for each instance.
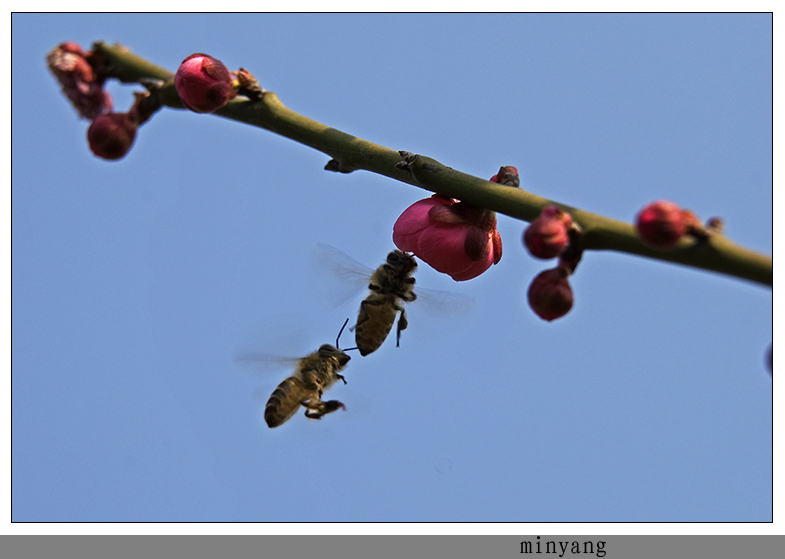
(82, 75)
(203, 83)
(553, 234)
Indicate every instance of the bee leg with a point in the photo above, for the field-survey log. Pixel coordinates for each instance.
(340, 377)
(333, 405)
(315, 410)
(403, 323)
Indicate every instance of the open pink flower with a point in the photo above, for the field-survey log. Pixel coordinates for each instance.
(452, 237)
(203, 83)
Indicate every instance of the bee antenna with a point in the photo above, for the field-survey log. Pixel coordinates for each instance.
(337, 340)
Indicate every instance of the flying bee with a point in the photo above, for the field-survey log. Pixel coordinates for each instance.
(390, 285)
(313, 375)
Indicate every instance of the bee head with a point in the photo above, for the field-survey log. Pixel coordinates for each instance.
(401, 261)
(326, 351)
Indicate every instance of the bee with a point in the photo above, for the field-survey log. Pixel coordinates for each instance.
(313, 375)
(390, 285)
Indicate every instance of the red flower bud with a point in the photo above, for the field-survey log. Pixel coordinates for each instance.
(550, 295)
(547, 236)
(111, 135)
(452, 237)
(203, 83)
(661, 224)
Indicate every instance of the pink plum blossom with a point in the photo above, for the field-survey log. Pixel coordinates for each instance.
(452, 237)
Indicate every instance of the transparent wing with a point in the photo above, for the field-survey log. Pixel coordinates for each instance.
(341, 265)
(352, 277)
(265, 363)
(272, 368)
(442, 303)
(355, 277)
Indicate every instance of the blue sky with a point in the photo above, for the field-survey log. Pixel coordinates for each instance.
(136, 282)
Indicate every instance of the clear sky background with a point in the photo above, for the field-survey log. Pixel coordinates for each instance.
(136, 282)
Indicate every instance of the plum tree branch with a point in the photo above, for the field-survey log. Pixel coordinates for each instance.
(349, 153)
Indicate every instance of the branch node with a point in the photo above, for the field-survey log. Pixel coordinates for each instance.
(573, 253)
(408, 159)
(335, 166)
(249, 85)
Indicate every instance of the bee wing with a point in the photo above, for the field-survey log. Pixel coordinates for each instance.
(443, 303)
(357, 276)
(352, 275)
(264, 363)
(341, 265)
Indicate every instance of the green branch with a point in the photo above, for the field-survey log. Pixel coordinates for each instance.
(350, 153)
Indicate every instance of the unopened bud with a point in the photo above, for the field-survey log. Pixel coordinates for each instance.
(661, 224)
(548, 235)
(203, 83)
(111, 135)
(550, 295)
